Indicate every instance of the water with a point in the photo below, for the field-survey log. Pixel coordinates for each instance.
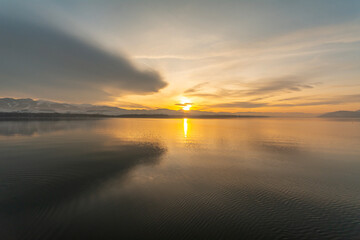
(180, 179)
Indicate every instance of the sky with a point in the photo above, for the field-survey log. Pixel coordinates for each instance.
(220, 56)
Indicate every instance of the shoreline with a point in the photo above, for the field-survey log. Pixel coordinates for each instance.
(60, 116)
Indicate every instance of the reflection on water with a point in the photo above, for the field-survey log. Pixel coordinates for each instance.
(31, 128)
(137, 178)
(185, 127)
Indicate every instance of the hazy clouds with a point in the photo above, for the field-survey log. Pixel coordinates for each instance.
(239, 105)
(43, 61)
(261, 88)
(231, 54)
(293, 102)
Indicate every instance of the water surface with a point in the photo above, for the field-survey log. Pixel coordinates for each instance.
(180, 179)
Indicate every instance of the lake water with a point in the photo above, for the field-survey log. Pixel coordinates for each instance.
(180, 179)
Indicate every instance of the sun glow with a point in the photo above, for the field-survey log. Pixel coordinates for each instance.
(187, 107)
(186, 103)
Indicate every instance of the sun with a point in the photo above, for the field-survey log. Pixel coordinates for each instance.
(187, 107)
(186, 103)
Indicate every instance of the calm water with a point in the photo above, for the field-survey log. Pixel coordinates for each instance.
(178, 179)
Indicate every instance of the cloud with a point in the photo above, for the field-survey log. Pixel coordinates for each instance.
(239, 105)
(183, 104)
(130, 105)
(264, 87)
(261, 89)
(196, 88)
(285, 84)
(43, 61)
(303, 101)
(334, 100)
(207, 95)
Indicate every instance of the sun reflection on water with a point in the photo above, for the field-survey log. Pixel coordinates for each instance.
(185, 127)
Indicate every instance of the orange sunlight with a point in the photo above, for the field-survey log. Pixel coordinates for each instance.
(186, 103)
(187, 107)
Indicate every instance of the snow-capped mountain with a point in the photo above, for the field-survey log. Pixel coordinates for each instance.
(40, 106)
(29, 105)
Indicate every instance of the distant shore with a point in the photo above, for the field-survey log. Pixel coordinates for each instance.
(59, 116)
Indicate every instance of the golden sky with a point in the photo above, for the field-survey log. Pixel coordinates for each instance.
(222, 56)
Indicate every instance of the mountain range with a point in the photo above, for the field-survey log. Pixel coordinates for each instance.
(342, 114)
(28, 105)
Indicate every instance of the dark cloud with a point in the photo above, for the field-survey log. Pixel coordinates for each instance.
(43, 61)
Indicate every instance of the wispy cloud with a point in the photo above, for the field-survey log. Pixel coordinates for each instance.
(129, 105)
(334, 100)
(183, 104)
(249, 54)
(262, 88)
(239, 105)
(299, 101)
(196, 88)
(285, 84)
